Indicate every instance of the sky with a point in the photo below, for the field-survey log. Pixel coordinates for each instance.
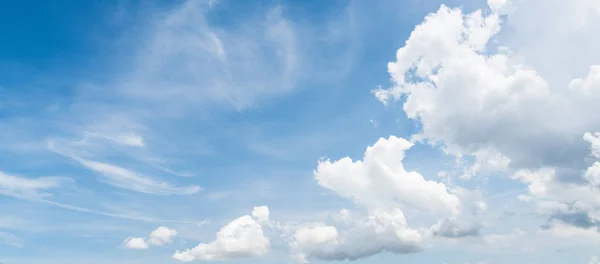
(288, 131)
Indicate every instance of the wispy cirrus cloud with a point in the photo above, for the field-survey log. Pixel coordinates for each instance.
(12, 184)
(121, 177)
(188, 61)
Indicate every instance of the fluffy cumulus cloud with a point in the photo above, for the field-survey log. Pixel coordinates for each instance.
(261, 213)
(504, 104)
(473, 100)
(380, 180)
(478, 93)
(159, 237)
(497, 100)
(135, 243)
(356, 238)
(241, 238)
(381, 189)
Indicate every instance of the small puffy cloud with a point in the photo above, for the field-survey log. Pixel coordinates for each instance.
(241, 238)
(161, 236)
(261, 213)
(135, 243)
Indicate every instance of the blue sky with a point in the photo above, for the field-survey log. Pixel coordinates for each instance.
(416, 131)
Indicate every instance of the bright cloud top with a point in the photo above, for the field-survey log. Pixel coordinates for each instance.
(241, 238)
(380, 180)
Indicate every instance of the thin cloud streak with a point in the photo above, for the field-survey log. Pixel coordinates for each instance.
(98, 212)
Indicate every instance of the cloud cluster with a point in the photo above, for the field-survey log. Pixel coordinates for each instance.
(472, 100)
(477, 99)
(476, 91)
(159, 237)
(474, 97)
(356, 238)
(381, 188)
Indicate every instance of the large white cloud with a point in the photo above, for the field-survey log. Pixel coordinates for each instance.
(381, 189)
(475, 100)
(380, 180)
(241, 238)
(477, 91)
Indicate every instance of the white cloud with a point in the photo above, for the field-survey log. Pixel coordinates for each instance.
(490, 104)
(381, 189)
(594, 260)
(380, 180)
(572, 204)
(187, 61)
(594, 140)
(28, 186)
(135, 243)
(502, 6)
(130, 180)
(475, 101)
(161, 236)
(241, 238)
(128, 139)
(356, 238)
(261, 213)
(121, 177)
